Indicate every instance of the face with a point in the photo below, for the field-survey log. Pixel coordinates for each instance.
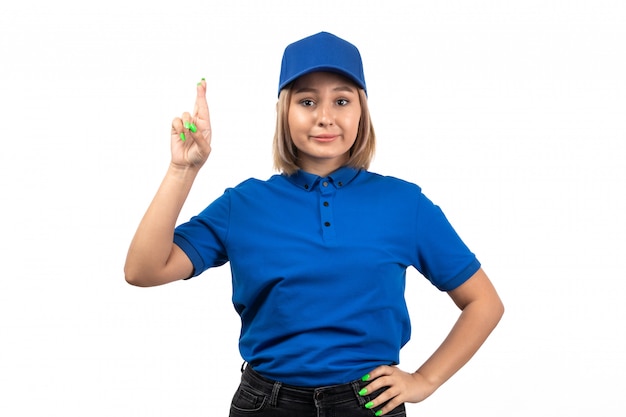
(324, 114)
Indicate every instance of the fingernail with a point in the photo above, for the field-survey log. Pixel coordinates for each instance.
(369, 405)
(187, 125)
(363, 392)
(365, 377)
(378, 413)
(192, 127)
(182, 136)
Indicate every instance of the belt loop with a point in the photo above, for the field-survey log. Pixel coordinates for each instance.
(274, 396)
(243, 366)
(356, 388)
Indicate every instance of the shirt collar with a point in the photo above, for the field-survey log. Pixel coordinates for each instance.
(307, 181)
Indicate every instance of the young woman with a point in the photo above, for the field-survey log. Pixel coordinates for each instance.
(318, 253)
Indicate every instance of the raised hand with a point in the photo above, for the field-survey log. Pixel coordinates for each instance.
(191, 133)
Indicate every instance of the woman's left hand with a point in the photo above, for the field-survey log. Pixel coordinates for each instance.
(402, 387)
(481, 309)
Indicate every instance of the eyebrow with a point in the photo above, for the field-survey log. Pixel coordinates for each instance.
(346, 88)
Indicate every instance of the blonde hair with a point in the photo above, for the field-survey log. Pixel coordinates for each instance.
(286, 154)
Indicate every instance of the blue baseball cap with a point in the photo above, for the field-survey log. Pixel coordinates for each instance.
(321, 52)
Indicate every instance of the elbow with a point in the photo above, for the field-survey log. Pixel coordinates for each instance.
(139, 282)
(497, 310)
(133, 281)
(142, 276)
(135, 278)
(501, 311)
(499, 306)
(492, 310)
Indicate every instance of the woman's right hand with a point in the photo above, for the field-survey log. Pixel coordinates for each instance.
(191, 133)
(153, 258)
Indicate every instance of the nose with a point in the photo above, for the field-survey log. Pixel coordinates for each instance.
(325, 115)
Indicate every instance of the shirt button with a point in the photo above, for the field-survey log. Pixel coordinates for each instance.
(325, 184)
(340, 184)
(325, 203)
(306, 186)
(326, 224)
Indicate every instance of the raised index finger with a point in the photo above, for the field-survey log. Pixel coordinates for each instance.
(201, 108)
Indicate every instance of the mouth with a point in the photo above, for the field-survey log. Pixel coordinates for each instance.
(325, 137)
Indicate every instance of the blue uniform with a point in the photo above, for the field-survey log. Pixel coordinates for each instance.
(318, 268)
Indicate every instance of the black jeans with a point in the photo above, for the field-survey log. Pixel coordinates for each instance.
(261, 397)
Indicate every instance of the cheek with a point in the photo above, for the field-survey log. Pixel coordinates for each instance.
(353, 124)
(295, 121)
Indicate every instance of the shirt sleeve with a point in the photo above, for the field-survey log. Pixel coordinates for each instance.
(203, 237)
(442, 257)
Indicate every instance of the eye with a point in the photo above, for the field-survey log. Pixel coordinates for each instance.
(342, 102)
(307, 102)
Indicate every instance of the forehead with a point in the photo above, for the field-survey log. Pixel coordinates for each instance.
(323, 78)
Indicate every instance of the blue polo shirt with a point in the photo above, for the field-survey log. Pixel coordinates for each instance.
(318, 268)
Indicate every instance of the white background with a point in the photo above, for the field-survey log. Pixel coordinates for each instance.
(509, 114)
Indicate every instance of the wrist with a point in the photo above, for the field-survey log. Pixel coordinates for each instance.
(182, 172)
(427, 385)
(182, 169)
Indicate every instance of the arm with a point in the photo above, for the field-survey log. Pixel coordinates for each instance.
(481, 310)
(153, 258)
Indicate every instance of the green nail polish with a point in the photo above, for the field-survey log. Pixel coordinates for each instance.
(369, 405)
(187, 125)
(182, 136)
(378, 413)
(365, 377)
(192, 127)
(363, 392)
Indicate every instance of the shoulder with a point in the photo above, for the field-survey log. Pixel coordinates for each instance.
(252, 183)
(253, 186)
(389, 183)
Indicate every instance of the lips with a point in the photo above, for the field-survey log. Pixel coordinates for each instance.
(326, 137)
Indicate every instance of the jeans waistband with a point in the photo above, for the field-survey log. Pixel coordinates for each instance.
(320, 397)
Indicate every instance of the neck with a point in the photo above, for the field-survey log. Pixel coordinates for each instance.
(322, 167)
(322, 171)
